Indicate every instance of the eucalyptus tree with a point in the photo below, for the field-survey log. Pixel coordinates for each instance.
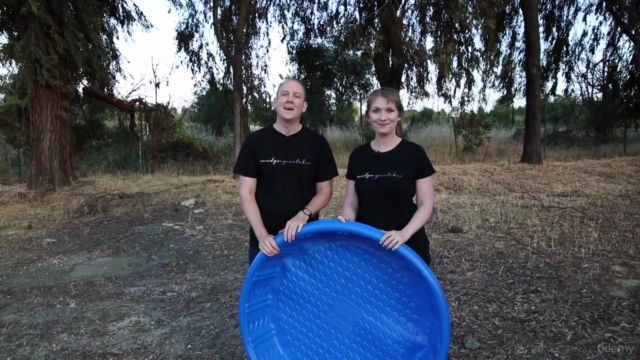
(396, 36)
(625, 15)
(520, 59)
(336, 74)
(240, 29)
(54, 46)
(607, 53)
(212, 107)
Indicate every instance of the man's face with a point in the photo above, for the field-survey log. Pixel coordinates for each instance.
(289, 103)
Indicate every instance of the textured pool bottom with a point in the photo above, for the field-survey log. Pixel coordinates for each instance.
(333, 297)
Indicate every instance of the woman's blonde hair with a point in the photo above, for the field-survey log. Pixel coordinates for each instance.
(391, 95)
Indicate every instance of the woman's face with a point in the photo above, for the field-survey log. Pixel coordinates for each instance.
(383, 116)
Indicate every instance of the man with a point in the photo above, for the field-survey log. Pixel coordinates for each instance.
(285, 173)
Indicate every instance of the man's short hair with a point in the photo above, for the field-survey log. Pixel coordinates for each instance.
(304, 89)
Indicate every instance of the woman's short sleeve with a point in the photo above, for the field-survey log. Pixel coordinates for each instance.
(350, 166)
(425, 167)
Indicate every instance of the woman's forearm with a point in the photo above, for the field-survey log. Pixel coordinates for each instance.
(426, 199)
(349, 211)
(419, 219)
(350, 207)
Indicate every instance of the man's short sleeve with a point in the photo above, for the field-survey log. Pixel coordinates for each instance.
(425, 167)
(327, 168)
(246, 164)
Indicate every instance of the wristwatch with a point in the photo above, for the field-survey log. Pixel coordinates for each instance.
(307, 212)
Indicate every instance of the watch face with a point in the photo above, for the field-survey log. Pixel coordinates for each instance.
(307, 212)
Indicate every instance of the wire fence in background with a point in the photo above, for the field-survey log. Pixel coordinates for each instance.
(500, 145)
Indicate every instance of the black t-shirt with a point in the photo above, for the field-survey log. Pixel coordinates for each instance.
(385, 183)
(287, 169)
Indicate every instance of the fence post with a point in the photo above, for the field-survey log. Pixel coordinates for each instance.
(361, 123)
(624, 146)
(19, 164)
(455, 113)
(19, 149)
(546, 107)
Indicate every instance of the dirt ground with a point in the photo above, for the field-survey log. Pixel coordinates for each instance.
(536, 263)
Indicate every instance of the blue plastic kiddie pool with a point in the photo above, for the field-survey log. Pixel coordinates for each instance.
(335, 293)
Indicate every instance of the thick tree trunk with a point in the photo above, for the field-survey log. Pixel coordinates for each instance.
(240, 123)
(240, 119)
(532, 148)
(51, 151)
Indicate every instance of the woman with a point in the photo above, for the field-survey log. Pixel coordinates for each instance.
(384, 176)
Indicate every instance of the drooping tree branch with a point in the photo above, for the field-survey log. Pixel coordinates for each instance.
(126, 106)
(123, 105)
(224, 46)
(626, 28)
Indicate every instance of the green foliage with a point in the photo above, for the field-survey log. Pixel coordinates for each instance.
(395, 35)
(413, 118)
(54, 47)
(118, 154)
(474, 128)
(193, 36)
(62, 43)
(501, 28)
(315, 68)
(506, 116)
(89, 125)
(14, 123)
(609, 85)
(213, 108)
(346, 114)
(563, 113)
(336, 78)
(260, 112)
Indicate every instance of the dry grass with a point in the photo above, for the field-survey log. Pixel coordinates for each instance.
(23, 211)
(532, 200)
(531, 257)
(440, 145)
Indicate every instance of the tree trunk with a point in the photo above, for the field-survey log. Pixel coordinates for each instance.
(51, 151)
(532, 149)
(240, 123)
(235, 61)
(389, 58)
(219, 125)
(240, 120)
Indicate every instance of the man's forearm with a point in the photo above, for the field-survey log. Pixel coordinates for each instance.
(252, 212)
(319, 201)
